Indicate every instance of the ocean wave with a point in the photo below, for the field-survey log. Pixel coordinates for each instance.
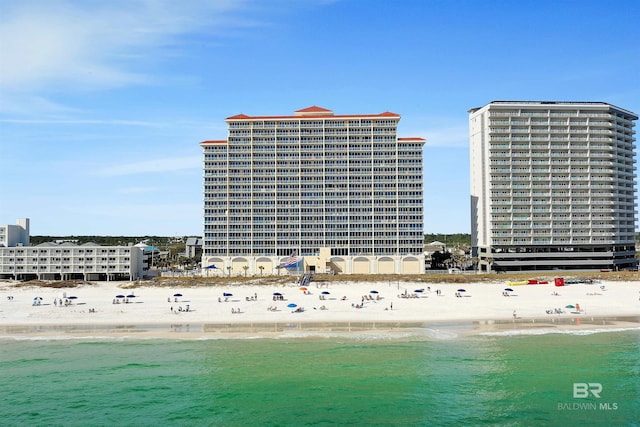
(440, 334)
(353, 335)
(546, 331)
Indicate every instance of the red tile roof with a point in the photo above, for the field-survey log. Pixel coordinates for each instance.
(314, 109)
(314, 112)
(411, 139)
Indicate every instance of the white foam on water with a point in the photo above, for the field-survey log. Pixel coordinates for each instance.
(352, 335)
(440, 334)
(546, 331)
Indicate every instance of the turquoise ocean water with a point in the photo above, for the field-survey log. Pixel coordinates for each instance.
(467, 381)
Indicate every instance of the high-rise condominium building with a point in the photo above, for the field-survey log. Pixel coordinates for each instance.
(552, 185)
(318, 191)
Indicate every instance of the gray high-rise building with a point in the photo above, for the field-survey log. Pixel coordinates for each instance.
(553, 185)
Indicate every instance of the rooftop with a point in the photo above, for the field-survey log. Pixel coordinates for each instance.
(313, 112)
(551, 104)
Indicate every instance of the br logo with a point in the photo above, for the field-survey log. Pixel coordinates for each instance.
(582, 390)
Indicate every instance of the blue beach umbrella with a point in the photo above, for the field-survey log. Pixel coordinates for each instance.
(373, 292)
(119, 296)
(226, 294)
(277, 294)
(292, 305)
(325, 293)
(508, 289)
(177, 295)
(419, 290)
(462, 290)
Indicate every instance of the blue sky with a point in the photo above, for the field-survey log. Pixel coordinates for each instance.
(103, 104)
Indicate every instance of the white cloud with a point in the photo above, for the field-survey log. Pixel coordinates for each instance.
(55, 46)
(440, 135)
(13, 103)
(447, 136)
(153, 166)
(439, 131)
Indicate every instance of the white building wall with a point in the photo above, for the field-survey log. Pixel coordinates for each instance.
(553, 174)
(13, 235)
(294, 184)
(49, 260)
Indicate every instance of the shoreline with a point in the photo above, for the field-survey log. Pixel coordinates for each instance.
(310, 329)
(111, 309)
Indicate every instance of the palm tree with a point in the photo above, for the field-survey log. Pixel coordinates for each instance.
(245, 268)
(229, 270)
(278, 268)
(447, 262)
(474, 261)
(489, 262)
(458, 259)
(261, 269)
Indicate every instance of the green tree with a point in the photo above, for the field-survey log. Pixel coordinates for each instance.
(438, 259)
(451, 240)
(459, 259)
(176, 249)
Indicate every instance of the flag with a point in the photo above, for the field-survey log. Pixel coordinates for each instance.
(292, 261)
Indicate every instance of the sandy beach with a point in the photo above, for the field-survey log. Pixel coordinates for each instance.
(109, 309)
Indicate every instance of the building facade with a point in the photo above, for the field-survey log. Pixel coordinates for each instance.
(65, 261)
(14, 235)
(193, 247)
(337, 193)
(553, 186)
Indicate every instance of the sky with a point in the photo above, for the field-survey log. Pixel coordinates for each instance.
(103, 104)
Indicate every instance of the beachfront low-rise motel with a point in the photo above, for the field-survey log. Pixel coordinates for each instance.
(553, 186)
(313, 192)
(65, 260)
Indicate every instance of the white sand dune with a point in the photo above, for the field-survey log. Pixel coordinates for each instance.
(484, 302)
